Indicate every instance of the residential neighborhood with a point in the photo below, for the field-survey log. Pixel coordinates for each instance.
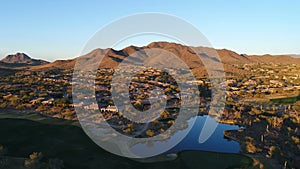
(266, 100)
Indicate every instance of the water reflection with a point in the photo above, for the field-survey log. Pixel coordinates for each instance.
(216, 143)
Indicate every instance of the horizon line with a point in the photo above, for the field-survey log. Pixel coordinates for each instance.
(294, 55)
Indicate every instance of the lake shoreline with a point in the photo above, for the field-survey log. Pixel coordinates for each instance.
(35, 116)
(259, 159)
(90, 154)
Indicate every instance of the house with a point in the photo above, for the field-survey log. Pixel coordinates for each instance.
(36, 100)
(50, 101)
(77, 105)
(288, 88)
(7, 96)
(297, 87)
(234, 88)
(112, 108)
(250, 82)
(276, 82)
(92, 106)
(103, 109)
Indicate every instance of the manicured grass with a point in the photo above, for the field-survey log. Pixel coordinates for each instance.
(209, 160)
(286, 100)
(68, 142)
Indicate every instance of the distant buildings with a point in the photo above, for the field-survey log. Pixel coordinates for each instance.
(95, 106)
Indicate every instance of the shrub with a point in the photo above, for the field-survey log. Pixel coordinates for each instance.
(150, 133)
(36, 156)
(296, 139)
(297, 106)
(20, 106)
(3, 105)
(2, 150)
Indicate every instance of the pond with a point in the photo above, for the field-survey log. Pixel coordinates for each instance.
(215, 143)
(23, 134)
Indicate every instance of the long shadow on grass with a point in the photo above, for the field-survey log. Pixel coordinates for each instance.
(69, 143)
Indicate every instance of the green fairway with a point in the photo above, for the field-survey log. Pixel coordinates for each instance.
(286, 100)
(69, 143)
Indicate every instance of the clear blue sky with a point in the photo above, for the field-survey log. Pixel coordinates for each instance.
(58, 29)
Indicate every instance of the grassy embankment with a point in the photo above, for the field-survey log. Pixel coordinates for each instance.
(22, 134)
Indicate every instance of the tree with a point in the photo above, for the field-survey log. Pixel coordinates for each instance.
(61, 102)
(275, 122)
(250, 145)
(33, 159)
(165, 114)
(138, 105)
(43, 95)
(150, 133)
(68, 114)
(230, 100)
(168, 90)
(140, 96)
(2, 150)
(23, 92)
(297, 106)
(33, 94)
(273, 151)
(237, 115)
(20, 106)
(3, 105)
(25, 98)
(36, 156)
(256, 111)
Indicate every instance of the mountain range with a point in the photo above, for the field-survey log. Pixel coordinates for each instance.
(190, 55)
(20, 60)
